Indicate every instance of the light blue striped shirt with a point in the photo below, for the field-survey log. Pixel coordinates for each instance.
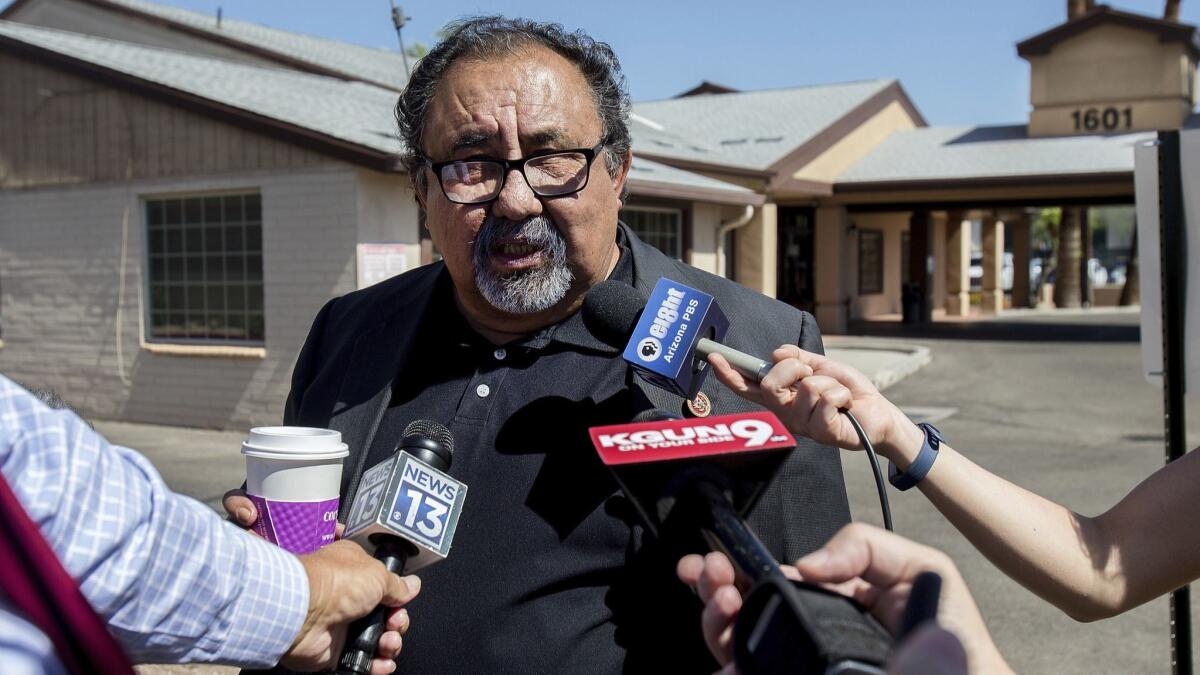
(174, 582)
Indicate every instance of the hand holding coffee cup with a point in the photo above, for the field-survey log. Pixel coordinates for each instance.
(293, 481)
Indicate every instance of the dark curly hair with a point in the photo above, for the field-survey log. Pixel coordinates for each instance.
(483, 36)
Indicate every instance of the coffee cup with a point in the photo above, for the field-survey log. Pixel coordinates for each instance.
(294, 478)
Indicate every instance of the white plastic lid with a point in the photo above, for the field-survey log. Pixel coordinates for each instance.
(300, 443)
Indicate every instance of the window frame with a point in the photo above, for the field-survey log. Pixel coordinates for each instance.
(148, 337)
(681, 216)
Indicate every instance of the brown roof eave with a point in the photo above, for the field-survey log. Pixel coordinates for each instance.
(324, 144)
(1099, 178)
(1167, 31)
(797, 187)
(695, 165)
(648, 188)
(706, 87)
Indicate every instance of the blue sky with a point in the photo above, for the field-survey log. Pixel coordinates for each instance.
(956, 58)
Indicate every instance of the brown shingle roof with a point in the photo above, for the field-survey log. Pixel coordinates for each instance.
(1167, 31)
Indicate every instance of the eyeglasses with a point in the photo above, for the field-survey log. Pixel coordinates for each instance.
(554, 173)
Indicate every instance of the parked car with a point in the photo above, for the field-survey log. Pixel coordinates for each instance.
(975, 272)
(1096, 271)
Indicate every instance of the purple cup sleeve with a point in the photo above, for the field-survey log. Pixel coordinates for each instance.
(299, 527)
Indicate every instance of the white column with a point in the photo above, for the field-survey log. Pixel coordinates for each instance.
(940, 294)
(993, 262)
(958, 261)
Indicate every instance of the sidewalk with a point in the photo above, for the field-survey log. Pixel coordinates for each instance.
(200, 463)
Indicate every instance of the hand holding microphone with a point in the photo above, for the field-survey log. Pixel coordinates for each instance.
(702, 475)
(808, 392)
(405, 511)
(678, 333)
(344, 584)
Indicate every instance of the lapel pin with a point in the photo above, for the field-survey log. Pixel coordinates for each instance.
(700, 406)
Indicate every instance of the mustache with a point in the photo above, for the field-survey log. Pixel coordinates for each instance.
(530, 290)
(538, 231)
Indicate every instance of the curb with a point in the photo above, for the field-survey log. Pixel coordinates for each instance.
(915, 357)
(1051, 312)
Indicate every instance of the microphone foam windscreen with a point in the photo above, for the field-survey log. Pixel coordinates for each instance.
(431, 430)
(611, 309)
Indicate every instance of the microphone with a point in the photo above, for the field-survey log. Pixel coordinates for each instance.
(405, 512)
(611, 311)
(703, 474)
(668, 343)
(680, 473)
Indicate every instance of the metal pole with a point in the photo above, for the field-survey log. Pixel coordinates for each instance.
(398, 20)
(1172, 257)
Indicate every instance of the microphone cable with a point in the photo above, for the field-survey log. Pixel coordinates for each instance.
(874, 460)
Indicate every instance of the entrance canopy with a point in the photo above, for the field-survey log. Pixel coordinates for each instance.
(991, 165)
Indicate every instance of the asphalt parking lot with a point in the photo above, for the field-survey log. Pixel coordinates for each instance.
(1057, 404)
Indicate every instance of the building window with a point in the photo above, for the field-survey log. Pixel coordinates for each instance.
(205, 269)
(870, 261)
(661, 228)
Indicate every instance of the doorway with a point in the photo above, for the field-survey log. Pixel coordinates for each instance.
(794, 284)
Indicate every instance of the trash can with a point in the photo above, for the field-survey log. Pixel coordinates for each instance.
(910, 303)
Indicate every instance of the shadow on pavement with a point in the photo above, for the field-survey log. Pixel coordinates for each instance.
(1104, 328)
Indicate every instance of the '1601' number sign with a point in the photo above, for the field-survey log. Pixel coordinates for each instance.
(1106, 119)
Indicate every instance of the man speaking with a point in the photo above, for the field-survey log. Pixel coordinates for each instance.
(518, 146)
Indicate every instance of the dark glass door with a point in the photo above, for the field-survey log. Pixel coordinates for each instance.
(795, 257)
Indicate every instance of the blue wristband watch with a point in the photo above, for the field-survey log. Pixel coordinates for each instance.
(922, 464)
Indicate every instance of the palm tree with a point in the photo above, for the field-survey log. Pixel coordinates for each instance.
(1067, 291)
(1131, 292)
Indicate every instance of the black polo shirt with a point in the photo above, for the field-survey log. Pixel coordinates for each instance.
(549, 572)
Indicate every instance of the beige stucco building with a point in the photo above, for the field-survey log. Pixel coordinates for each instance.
(179, 194)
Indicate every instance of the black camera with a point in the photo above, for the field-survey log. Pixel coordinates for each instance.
(799, 628)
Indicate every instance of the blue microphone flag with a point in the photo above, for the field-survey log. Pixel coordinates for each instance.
(406, 497)
(662, 348)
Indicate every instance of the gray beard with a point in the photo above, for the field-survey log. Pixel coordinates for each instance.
(529, 291)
